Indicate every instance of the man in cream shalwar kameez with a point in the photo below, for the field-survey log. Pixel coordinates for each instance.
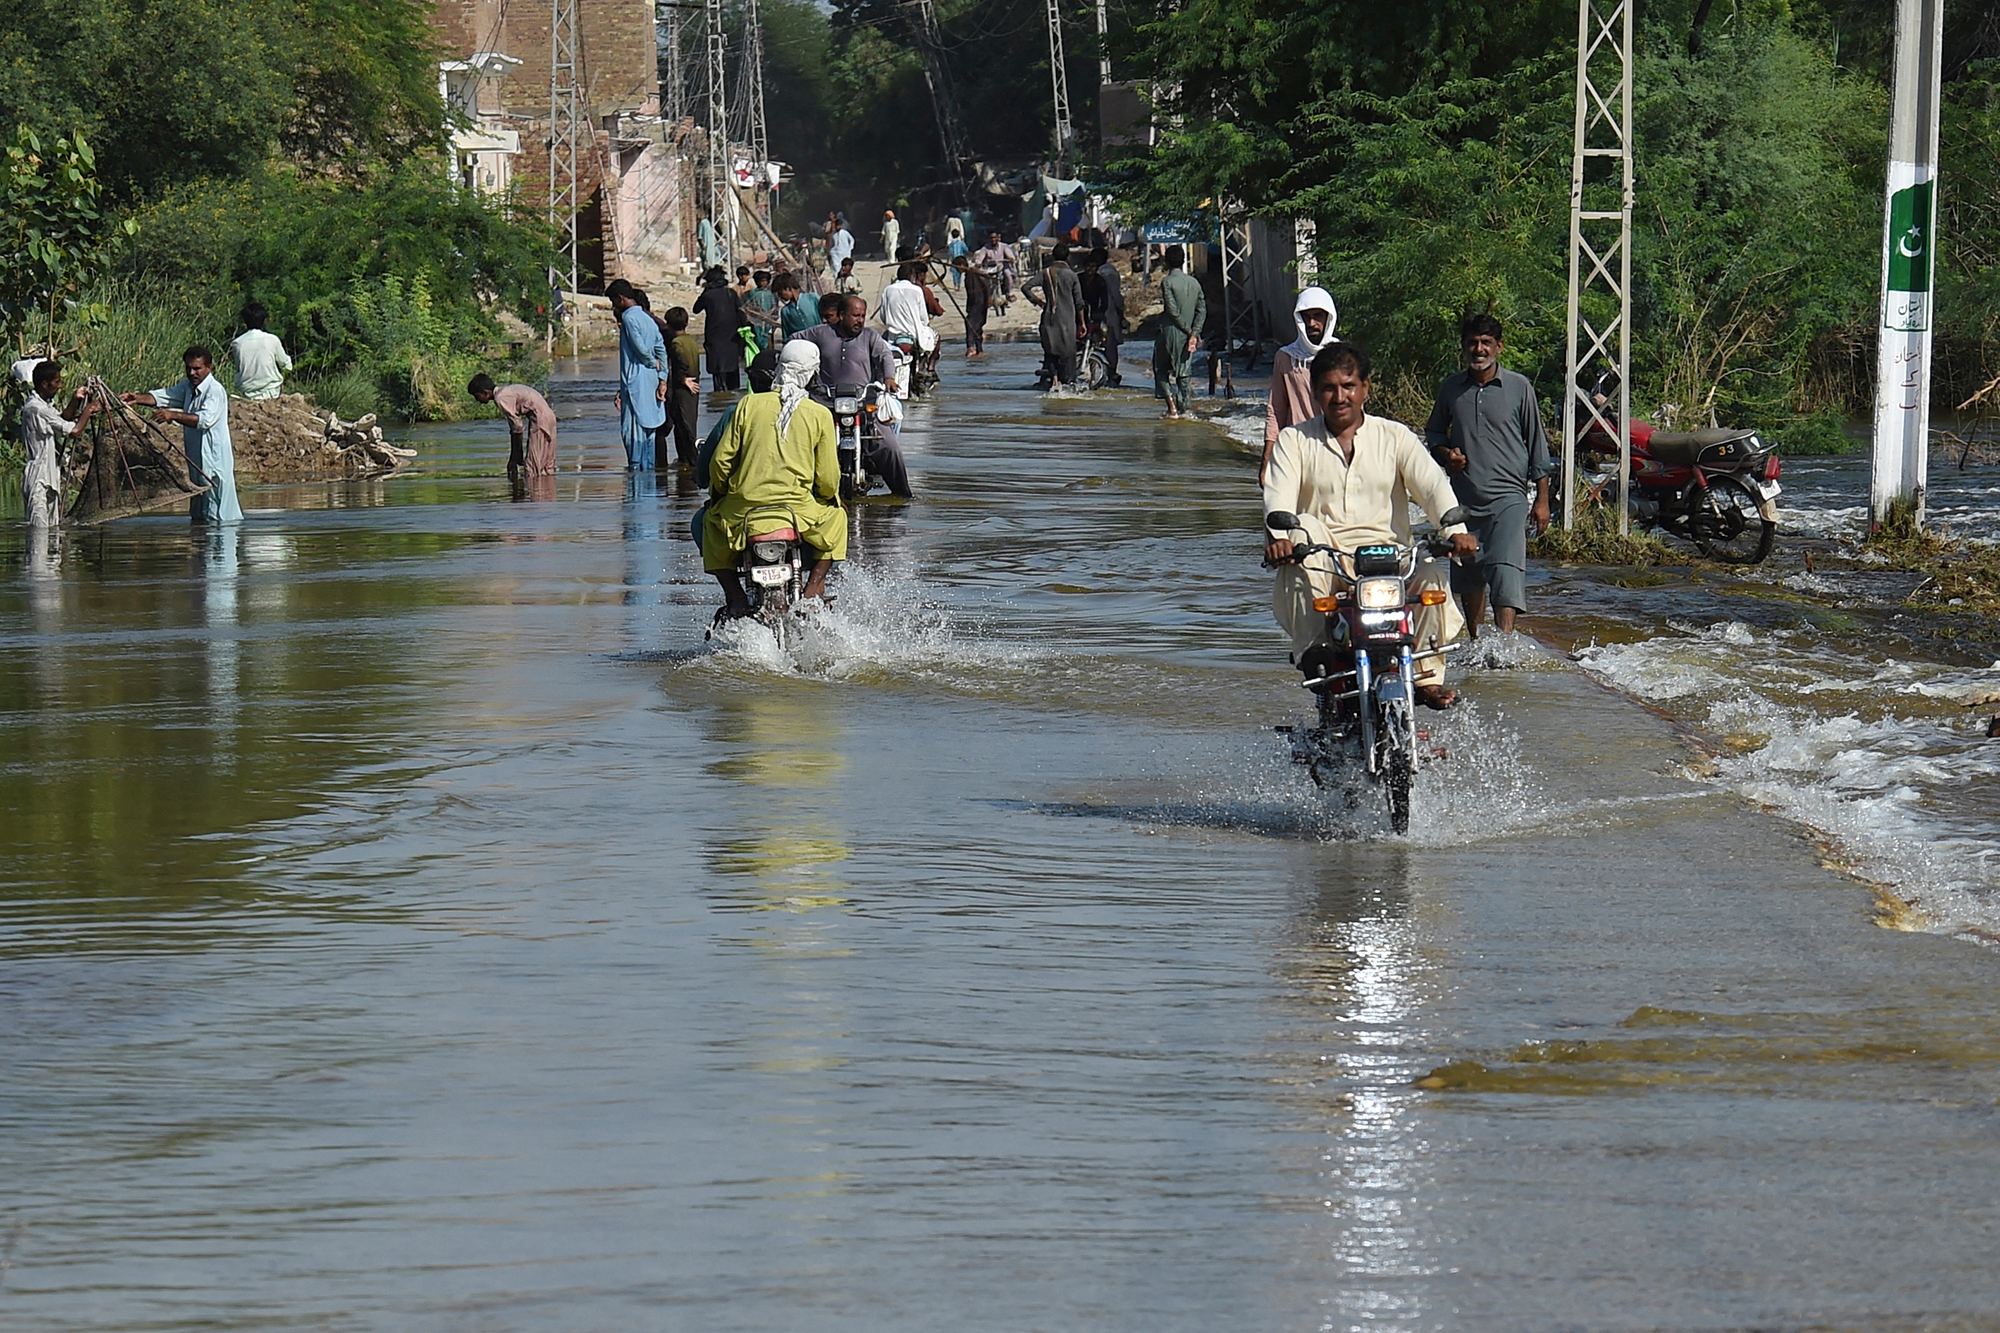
(1351, 478)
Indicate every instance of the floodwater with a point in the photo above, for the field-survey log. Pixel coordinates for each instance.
(410, 922)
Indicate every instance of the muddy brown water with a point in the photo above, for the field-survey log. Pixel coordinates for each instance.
(410, 922)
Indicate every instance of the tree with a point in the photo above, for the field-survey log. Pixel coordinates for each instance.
(49, 249)
(171, 93)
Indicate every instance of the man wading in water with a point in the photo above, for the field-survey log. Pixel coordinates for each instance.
(1350, 478)
(1487, 431)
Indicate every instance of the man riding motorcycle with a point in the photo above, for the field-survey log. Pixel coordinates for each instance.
(852, 353)
(906, 311)
(776, 455)
(1350, 478)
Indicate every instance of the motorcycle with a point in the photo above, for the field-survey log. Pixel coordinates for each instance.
(857, 420)
(1364, 671)
(916, 371)
(772, 567)
(1716, 488)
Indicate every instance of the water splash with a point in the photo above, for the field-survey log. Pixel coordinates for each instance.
(1473, 786)
(883, 625)
(1877, 756)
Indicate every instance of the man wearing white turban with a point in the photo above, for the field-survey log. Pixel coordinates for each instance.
(1292, 399)
(776, 467)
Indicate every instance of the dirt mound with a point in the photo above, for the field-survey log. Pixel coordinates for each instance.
(287, 439)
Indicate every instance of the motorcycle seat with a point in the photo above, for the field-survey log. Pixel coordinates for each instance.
(776, 535)
(1692, 448)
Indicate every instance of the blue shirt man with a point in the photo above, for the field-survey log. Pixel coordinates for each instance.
(642, 361)
(201, 405)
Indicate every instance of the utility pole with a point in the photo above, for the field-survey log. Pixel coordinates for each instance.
(1600, 240)
(718, 132)
(1103, 43)
(1909, 247)
(566, 129)
(1059, 78)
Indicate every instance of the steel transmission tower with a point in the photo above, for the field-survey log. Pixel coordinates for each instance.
(921, 16)
(1600, 240)
(1059, 79)
(673, 78)
(566, 130)
(753, 69)
(718, 132)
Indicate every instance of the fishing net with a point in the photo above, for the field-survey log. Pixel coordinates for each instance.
(134, 465)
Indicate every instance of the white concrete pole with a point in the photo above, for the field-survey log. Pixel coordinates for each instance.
(1909, 219)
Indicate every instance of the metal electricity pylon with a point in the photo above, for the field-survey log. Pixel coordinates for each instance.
(673, 64)
(1600, 240)
(1242, 315)
(566, 131)
(718, 132)
(1059, 80)
(758, 137)
(921, 17)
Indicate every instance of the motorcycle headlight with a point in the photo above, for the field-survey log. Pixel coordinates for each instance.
(847, 407)
(1379, 594)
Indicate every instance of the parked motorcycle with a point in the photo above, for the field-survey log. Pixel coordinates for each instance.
(1364, 671)
(772, 567)
(857, 419)
(1716, 488)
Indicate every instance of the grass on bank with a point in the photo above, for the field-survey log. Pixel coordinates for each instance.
(1595, 540)
(1959, 574)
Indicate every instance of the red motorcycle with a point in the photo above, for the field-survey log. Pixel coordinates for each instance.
(1716, 488)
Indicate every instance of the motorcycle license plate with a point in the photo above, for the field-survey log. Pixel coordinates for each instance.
(770, 576)
(1767, 505)
(1389, 689)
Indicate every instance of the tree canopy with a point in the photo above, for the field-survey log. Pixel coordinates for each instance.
(192, 89)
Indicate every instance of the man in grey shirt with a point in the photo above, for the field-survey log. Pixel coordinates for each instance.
(852, 353)
(1486, 430)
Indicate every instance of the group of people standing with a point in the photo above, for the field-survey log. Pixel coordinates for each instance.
(1076, 307)
(1350, 477)
(198, 404)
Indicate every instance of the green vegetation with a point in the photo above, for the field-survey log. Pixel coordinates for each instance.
(1431, 144)
(1595, 540)
(1823, 433)
(284, 151)
(1961, 575)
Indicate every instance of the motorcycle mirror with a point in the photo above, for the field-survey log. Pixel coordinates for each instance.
(1281, 520)
(1455, 514)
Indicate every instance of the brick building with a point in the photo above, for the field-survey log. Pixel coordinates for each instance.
(635, 174)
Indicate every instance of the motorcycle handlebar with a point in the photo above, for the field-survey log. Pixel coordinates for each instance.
(1436, 546)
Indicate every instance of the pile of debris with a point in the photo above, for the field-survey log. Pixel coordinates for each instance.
(285, 439)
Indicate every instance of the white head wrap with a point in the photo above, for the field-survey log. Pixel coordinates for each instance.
(798, 367)
(1312, 298)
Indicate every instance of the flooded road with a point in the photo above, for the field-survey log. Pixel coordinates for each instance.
(410, 922)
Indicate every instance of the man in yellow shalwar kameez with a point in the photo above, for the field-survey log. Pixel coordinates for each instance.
(776, 467)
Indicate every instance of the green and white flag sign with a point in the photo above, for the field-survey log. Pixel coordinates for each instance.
(1910, 239)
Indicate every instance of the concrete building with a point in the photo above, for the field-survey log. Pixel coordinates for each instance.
(636, 174)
